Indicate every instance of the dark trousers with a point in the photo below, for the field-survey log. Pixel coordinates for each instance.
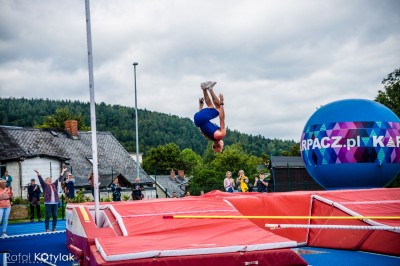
(136, 197)
(51, 210)
(32, 206)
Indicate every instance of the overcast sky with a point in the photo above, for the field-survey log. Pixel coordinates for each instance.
(274, 61)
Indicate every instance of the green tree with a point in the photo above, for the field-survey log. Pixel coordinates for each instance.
(206, 180)
(211, 175)
(191, 161)
(294, 151)
(209, 154)
(391, 96)
(56, 121)
(265, 159)
(163, 158)
(251, 165)
(391, 99)
(233, 158)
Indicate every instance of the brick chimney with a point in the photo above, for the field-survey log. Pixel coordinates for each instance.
(71, 126)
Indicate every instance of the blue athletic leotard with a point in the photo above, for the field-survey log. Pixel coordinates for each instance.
(202, 120)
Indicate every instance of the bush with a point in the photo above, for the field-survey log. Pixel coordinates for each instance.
(106, 199)
(206, 180)
(19, 200)
(125, 196)
(79, 197)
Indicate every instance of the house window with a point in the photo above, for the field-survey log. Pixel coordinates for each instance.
(2, 169)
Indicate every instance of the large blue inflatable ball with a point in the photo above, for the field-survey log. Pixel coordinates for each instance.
(352, 143)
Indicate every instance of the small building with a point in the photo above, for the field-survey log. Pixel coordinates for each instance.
(24, 149)
(167, 184)
(288, 173)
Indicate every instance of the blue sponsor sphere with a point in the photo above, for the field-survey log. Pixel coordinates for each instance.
(352, 143)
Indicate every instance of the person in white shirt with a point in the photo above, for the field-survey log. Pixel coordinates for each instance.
(229, 183)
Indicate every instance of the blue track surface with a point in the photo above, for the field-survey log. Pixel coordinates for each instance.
(26, 249)
(330, 257)
(29, 228)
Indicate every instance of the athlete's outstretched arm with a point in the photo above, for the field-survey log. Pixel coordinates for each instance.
(221, 110)
(201, 103)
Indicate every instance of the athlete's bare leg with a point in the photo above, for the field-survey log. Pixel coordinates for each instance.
(214, 98)
(207, 99)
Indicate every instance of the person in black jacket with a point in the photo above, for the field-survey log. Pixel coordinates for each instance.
(261, 183)
(70, 188)
(34, 199)
(116, 190)
(137, 190)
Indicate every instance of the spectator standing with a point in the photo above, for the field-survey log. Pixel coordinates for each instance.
(70, 188)
(50, 198)
(91, 180)
(34, 199)
(116, 190)
(137, 190)
(8, 178)
(174, 194)
(229, 184)
(172, 175)
(242, 181)
(261, 183)
(5, 205)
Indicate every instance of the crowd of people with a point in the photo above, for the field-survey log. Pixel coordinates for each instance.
(137, 190)
(50, 191)
(34, 192)
(242, 182)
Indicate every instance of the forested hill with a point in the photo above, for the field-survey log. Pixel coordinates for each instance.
(154, 128)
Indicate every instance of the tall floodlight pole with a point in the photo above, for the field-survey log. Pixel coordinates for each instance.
(92, 114)
(136, 122)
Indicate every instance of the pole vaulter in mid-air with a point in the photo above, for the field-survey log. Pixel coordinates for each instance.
(215, 107)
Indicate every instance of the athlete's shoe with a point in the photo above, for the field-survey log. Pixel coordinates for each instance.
(204, 85)
(211, 85)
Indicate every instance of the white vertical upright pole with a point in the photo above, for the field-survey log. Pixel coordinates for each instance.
(137, 125)
(92, 113)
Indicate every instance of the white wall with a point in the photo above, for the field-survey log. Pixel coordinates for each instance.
(46, 167)
(133, 155)
(149, 194)
(13, 171)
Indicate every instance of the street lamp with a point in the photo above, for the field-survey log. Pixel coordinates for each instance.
(137, 126)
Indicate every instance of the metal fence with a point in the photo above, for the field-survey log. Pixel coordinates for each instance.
(291, 178)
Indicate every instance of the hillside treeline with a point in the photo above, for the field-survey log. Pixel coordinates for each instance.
(155, 128)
